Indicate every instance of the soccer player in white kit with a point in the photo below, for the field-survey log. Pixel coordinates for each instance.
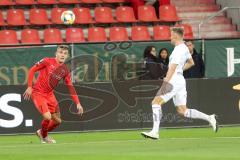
(180, 60)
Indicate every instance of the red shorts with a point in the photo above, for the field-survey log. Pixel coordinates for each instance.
(45, 102)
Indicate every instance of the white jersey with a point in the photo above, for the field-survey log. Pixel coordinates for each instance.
(179, 56)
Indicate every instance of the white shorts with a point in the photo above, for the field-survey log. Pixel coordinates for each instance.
(178, 93)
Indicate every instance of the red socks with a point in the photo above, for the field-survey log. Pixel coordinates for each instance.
(52, 125)
(44, 130)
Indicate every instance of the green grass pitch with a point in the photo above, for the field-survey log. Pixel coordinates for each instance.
(174, 144)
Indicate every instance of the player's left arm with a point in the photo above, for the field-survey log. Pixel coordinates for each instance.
(188, 64)
(73, 94)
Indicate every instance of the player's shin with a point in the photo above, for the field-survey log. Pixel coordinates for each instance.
(195, 114)
(157, 116)
(52, 125)
(44, 129)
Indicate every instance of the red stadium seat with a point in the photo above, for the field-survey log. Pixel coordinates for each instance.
(56, 15)
(30, 36)
(140, 33)
(38, 17)
(188, 33)
(103, 15)
(114, 1)
(125, 14)
(25, 2)
(118, 34)
(97, 34)
(6, 2)
(47, 1)
(91, 1)
(83, 15)
(74, 35)
(2, 22)
(168, 13)
(147, 14)
(68, 1)
(52, 35)
(161, 32)
(8, 37)
(15, 17)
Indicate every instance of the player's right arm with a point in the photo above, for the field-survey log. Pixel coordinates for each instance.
(37, 67)
(189, 64)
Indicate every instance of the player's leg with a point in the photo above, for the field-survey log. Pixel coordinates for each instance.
(56, 121)
(157, 103)
(180, 100)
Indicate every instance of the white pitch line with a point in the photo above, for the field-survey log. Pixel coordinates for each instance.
(113, 141)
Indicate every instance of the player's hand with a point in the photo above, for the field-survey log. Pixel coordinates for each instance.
(80, 109)
(27, 94)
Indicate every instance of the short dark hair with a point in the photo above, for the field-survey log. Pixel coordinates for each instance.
(178, 30)
(147, 51)
(63, 46)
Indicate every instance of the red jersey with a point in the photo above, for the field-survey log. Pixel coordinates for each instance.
(50, 73)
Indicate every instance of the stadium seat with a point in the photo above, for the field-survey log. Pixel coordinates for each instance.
(74, 35)
(140, 33)
(38, 17)
(118, 34)
(97, 34)
(114, 1)
(52, 35)
(2, 22)
(91, 1)
(25, 2)
(83, 15)
(47, 1)
(68, 1)
(188, 33)
(8, 37)
(168, 13)
(125, 14)
(6, 2)
(103, 15)
(30, 36)
(15, 17)
(161, 32)
(147, 13)
(56, 15)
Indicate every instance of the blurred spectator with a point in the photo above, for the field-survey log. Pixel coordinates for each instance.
(135, 4)
(153, 70)
(156, 3)
(197, 71)
(163, 58)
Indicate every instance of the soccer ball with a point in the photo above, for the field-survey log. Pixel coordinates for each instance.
(68, 17)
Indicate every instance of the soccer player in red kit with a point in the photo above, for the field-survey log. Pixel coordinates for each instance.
(51, 71)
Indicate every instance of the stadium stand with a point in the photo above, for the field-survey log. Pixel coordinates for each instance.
(97, 34)
(8, 37)
(52, 35)
(161, 32)
(114, 19)
(118, 34)
(83, 15)
(30, 36)
(74, 35)
(16, 17)
(192, 12)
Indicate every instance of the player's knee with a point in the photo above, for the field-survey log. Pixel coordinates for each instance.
(47, 116)
(181, 111)
(157, 100)
(58, 120)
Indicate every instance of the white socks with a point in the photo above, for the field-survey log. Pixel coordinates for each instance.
(157, 116)
(195, 114)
